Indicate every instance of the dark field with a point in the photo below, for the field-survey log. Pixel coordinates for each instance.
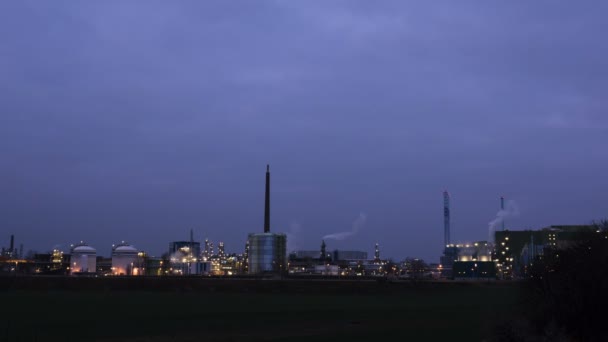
(279, 311)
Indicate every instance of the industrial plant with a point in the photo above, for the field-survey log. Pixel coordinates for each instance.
(507, 254)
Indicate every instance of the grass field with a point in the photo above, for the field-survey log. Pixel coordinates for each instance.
(454, 313)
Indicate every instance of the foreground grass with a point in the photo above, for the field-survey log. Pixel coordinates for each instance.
(429, 314)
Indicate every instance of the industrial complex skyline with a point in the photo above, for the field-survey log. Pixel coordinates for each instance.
(277, 246)
(367, 112)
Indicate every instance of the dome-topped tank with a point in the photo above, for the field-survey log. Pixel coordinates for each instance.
(84, 249)
(124, 249)
(125, 259)
(83, 259)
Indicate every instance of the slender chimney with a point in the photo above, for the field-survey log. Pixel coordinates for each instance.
(502, 208)
(323, 252)
(191, 242)
(446, 218)
(267, 202)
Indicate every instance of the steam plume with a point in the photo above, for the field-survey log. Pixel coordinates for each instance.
(357, 225)
(511, 210)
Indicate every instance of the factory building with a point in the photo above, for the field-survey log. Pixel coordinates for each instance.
(476, 251)
(54, 263)
(125, 260)
(83, 259)
(319, 256)
(338, 262)
(468, 260)
(515, 251)
(306, 261)
(186, 248)
(185, 258)
(267, 251)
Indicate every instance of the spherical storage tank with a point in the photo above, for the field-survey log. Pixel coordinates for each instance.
(83, 259)
(124, 259)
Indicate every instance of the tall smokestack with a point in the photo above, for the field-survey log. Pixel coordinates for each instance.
(502, 208)
(12, 248)
(191, 241)
(267, 202)
(446, 218)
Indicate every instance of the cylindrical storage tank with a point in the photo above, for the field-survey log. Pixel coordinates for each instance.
(83, 259)
(267, 253)
(124, 259)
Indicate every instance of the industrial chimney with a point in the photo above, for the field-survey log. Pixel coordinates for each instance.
(267, 202)
(446, 218)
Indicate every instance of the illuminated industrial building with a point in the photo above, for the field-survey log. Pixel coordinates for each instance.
(468, 260)
(515, 251)
(338, 262)
(185, 258)
(475, 251)
(267, 251)
(192, 249)
(54, 263)
(125, 260)
(83, 259)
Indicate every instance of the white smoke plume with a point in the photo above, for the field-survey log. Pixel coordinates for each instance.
(511, 210)
(294, 230)
(358, 224)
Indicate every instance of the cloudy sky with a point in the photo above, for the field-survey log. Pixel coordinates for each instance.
(141, 120)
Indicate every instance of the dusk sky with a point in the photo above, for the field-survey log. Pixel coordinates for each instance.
(141, 120)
